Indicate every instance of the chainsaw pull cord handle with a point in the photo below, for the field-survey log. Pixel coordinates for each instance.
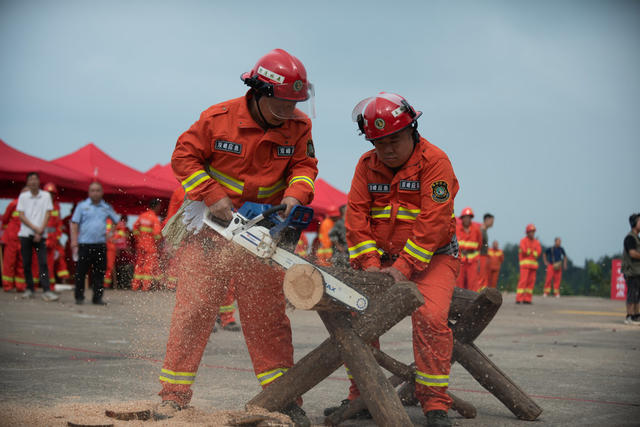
(274, 209)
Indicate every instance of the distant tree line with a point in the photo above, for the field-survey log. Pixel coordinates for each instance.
(592, 279)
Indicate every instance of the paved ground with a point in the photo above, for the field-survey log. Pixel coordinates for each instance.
(574, 355)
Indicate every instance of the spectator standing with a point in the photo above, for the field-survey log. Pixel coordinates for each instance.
(496, 257)
(555, 259)
(338, 237)
(34, 208)
(483, 277)
(12, 274)
(528, 254)
(631, 270)
(89, 241)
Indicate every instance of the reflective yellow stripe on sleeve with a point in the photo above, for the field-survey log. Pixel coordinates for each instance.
(417, 252)
(231, 183)
(362, 248)
(404, 213)
(264, 192)
(196, 178)
(306, 179)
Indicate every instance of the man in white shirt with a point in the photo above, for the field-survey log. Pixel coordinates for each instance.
(34, 208)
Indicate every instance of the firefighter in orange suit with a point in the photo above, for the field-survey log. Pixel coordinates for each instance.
(528, 254)
(254, 148)
(12, 270)
(400, 221)
(496, 257)
(55, 251)
(470, 240)
(147, 231)
(302, 247)
(325, 250)
(111, 253)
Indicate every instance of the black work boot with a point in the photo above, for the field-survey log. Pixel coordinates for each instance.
(297, 415)
(438, 418)
(165, 410)
(362, 415)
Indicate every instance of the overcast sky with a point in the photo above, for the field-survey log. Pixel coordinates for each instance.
(537, 103)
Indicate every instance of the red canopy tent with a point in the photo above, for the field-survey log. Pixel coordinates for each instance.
(326, 198)
(164, 173)
(127, 189)
(14, 166)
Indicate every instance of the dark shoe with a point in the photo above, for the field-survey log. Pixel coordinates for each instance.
(438, 418)
(79, 301)
(165, 410)
(297, 415)
(99, 302)
(518, 302)
(232, 327)
(527, 302)
(362, 415)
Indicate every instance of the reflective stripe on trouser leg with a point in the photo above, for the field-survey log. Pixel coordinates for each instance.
(227, 309)
(522, 284)
(432, 338)
(146, 269)
(261, 306)
(198, 297)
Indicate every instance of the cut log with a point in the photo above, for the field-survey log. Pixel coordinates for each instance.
(129, 415)
(381, 315)
(378, 394)
(304, 287)
(477, 315)
(495, 381)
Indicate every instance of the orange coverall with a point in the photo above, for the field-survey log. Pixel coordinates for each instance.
(55, 251)
(496, 257)
(302, 247)
(325, 250)
(12, 269)
(245, 163)
(528, 254)
(147, 231)
(408, 217)
(111, 253)
(470, 241)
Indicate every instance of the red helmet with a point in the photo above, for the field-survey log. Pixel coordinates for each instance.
(281, 75)
(467, 211)
(530, 227)
(383, 115)
(50, 187)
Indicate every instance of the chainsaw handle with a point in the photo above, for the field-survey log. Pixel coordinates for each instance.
(274, 209)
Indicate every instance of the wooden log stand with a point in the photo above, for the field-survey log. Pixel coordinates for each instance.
(350, 334)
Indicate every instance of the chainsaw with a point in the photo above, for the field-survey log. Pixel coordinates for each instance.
(261, 230)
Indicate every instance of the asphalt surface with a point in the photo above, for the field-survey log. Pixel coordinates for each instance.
(573, 355)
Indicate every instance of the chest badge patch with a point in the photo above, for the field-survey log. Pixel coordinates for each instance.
(409, 185)
(285, 150)
(229, 147)
(379, 188)
(439, 192)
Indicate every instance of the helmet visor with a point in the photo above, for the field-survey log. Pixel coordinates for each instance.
(288, 103)
(360, 106)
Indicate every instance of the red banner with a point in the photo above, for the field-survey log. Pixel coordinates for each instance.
(618, 284)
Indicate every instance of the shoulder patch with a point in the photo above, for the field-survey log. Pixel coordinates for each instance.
(439, 192)
(311, 151)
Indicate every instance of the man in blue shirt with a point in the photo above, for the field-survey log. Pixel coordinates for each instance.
(556, 260)
(89, 241)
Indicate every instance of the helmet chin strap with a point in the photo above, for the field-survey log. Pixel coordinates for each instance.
(267, 125)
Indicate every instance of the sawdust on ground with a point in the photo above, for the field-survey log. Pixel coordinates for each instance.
(92, 414)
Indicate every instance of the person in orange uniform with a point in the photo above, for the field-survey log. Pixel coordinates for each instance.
(255, 148)
(12, 270)
(55, 251)
(302, 247)
(400, 221)
(470, 240)
(528, 254)
(111, 253)
(147, 231)
(325, 250)
(496, 257)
